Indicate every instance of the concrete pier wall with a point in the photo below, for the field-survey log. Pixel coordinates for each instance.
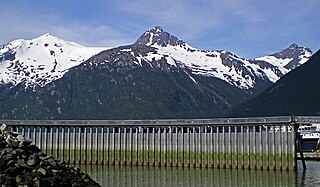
(250, 143)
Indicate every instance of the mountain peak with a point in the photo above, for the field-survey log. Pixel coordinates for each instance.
(46, 35)
(293, 51)
(294, 45)
(156, 29)
(158, 36)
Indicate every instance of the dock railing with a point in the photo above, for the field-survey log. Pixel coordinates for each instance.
(251, 143)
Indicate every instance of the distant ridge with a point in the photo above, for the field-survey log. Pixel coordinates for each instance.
(296, 93)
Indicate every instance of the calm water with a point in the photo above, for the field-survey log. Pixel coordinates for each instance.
(178, 176)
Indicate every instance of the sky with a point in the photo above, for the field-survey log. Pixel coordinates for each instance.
(248, 28)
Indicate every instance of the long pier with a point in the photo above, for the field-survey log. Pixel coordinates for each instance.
(267, 143)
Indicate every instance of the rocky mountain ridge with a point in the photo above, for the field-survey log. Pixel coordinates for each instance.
(40, 61)
(296, 93)
(47, 58)
(158, 76)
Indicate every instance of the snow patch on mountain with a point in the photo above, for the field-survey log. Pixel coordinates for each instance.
(40, 61)
(288, 59)
(240, 72)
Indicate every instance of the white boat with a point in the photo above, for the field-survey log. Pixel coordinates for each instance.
(310, 137)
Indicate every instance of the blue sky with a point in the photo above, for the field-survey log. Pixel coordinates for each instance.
(249, 28)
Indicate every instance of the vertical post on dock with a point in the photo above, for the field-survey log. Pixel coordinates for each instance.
(80, 145)
(166, 145)
(97, 145)
(223, 160)
(69, 145)
(177, 146)
(242, 147)
(267, 154)
(103, 145)
(108, 145)
(91, 145)
(198, 152)
(35, 135)
(253, 157)
(183, 155)
(154, 145)
(212, 146)
(260, 166)
(137, 146)
(171, 145)
(63, 143)
(274, 148)
(142, 147)
(125, 145)
(57, 142)
(85, 138)
(280, 142)
(194, 160)
(235, 148)
(74, 144)
(148, 147)
(189, 146)
(114, 145)
(218, 159)
(229, 148)
(129, 162)
(46, 139)
(41, 138)
(119, 155)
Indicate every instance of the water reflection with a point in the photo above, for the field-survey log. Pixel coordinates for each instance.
(179, 176)
(309, 177)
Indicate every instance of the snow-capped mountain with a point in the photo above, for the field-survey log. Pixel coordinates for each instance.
(240, 72)
(300, 88)
(159, 76)
(287, 59)
(40, 61)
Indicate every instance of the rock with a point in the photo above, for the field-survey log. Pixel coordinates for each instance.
(52, 162)
(19, 179)
(31, 162)
(55, 172)
(28, 177)
(14, 134)
(21, 163)
(20, 138)
(2, 179)
(42, 171)
(24, 164)
(11, 163)
(2, 163)
(2, 127)
(34, 149)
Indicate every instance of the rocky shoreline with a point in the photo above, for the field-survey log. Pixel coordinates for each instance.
(23, 164)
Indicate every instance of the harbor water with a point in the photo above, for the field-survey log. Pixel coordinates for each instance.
(136, 176)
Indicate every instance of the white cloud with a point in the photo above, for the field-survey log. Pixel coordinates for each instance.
(207, 24)
(91, 35)
(175, 14)
(23, 25)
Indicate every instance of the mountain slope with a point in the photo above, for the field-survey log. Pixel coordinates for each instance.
(41, 60)
(296, 93)
(159, 76)
(286, 60)
(111, 85)
(240, 72)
